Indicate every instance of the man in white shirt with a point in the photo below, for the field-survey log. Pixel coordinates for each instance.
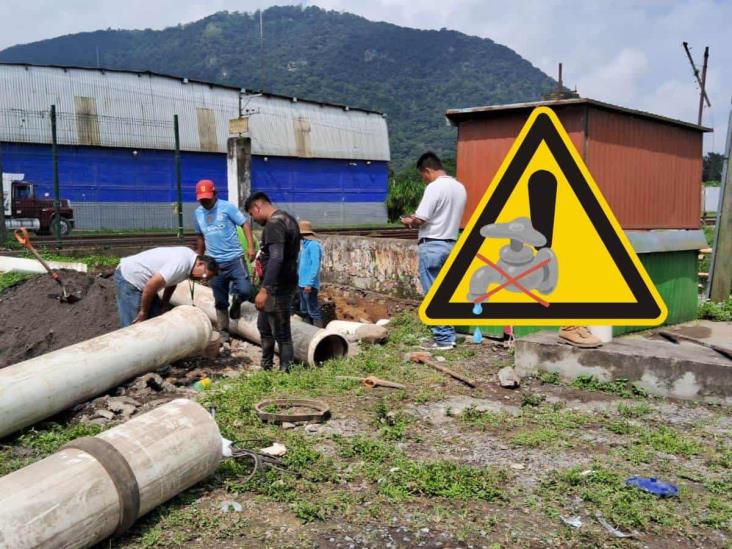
(438, 218)
(140, 277)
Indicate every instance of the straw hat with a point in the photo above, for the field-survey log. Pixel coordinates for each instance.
(306, 228)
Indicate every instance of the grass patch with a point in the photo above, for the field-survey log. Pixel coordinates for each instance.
(8, 280)
(668, 440)
(399, 477)
(720, 312)
(35, 444)
(620, 387)
(537, 438)
(550, 378)
(605, 491)
(640, 409)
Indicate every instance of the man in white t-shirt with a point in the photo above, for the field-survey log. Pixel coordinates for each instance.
(438, 218)
(140, 277)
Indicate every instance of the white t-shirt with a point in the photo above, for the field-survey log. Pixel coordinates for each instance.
(174, 264)
(441, 208)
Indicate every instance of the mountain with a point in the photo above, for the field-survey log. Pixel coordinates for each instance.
(412, 75)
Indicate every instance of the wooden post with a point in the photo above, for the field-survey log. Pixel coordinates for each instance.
(720, 269)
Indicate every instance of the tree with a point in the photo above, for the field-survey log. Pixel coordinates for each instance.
(713, 167)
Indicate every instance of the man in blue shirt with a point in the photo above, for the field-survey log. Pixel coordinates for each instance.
(308, 274)
(215, 222)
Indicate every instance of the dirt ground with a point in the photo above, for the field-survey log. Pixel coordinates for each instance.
(361, 305)
(436, 465)
(33, 321)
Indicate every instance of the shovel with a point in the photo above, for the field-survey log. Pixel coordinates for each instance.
(22, 236)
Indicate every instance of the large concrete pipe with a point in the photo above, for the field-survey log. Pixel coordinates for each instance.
(23, 265)
(40, 387)
(96, 487)
(312, 345)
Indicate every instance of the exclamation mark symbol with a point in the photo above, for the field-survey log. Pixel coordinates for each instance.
(542, 203)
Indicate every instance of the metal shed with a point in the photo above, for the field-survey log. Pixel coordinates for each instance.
(115, 129)
(647, 166)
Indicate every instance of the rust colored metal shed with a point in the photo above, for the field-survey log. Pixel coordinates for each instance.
(648, 167)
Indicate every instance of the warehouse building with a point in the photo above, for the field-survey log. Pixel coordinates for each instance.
(116, 160)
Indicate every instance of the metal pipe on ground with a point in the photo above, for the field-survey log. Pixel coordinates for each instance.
(312, 345)
(97, 487)
(38, 388)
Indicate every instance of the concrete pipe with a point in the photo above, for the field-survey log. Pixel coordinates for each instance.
(23, 265)
(312, 345)
(40, 387)
(97, 487)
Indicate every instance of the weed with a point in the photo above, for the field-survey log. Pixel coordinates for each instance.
(634, 410)
(668, 440)
(721, 312)
(620, 387)
(532, 399)
(606, 491)
(537, 438)
(549, 378)
(8, 280)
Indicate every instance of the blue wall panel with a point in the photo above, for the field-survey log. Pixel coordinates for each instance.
(297, 180)
(96, 174)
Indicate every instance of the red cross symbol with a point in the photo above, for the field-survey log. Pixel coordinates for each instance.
(512, 281)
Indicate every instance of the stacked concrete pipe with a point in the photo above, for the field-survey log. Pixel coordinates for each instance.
(97, 487)
(38, 388)
(312, 345)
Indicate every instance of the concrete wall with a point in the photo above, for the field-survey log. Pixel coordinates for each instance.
(385, 265)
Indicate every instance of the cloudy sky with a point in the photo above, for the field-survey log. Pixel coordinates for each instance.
(623, 51)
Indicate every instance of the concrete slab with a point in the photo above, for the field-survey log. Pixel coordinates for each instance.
(685, 371)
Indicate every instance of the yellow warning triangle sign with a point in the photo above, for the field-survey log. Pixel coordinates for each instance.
(543, 247)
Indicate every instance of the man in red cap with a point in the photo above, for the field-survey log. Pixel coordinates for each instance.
(215, 222)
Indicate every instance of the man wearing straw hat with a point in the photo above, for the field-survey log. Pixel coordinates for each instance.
(308, 273)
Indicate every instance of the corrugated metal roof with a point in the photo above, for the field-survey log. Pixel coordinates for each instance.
(130, 109)
(457, 115)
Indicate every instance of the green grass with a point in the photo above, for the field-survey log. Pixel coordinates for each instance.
(37, 443)
(604, 490)
(619, 387)
(8, 280)
(720, 312)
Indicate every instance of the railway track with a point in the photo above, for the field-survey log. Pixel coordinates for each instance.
(79, 241)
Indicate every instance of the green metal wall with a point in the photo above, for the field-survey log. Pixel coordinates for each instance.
(675, 276)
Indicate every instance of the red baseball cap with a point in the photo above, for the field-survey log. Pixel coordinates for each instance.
(205, 189)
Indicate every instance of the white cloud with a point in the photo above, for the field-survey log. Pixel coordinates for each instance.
(624, 51)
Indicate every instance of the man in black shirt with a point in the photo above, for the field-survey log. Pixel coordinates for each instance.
(280, 248)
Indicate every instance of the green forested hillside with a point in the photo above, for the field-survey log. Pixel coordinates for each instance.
(411, 75)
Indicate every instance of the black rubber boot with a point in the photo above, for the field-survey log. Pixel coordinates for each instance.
(268, 348)
(235, 309)
(287, 356)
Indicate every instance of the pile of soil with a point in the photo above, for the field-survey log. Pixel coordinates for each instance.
(33, 321)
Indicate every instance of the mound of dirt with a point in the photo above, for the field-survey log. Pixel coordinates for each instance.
(33, 321)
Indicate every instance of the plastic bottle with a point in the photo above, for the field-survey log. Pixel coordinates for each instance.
(202, 384)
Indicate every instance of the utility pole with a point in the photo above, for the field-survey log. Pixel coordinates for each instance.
(720, 269)
(702, 81)
(56, 191)
(178, 186)
(3, 228)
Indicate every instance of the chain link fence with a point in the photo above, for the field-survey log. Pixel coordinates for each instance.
(114, 173)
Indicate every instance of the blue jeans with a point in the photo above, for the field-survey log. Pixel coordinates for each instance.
(309, 305)
(129, 299)
(232, 278)
(432, 256)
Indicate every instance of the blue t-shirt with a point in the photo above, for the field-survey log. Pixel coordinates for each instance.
(218, 227)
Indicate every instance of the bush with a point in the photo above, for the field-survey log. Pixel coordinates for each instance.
(721, 312)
